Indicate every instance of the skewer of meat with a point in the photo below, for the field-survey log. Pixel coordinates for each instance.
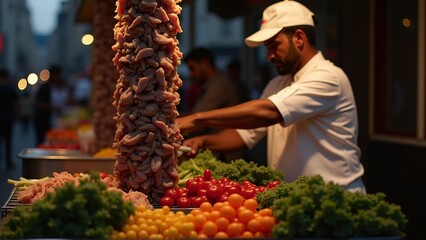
(104, 74)
(146, 97)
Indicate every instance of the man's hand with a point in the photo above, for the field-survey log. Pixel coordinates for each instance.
(196, 144)
(186, 124)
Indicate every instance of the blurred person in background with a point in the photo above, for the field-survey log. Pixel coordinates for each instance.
(212, 82)
(82, 89)
(215, 91)
(191, 95)
(263, 76)
(8, 114)
(51, 100)
(26, 107)
(233, 70)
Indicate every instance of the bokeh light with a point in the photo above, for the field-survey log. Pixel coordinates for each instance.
(32, 78)
(406, 22)
(44, 75)
(87, 39)
(22, 84)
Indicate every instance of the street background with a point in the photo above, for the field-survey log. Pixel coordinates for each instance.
(21, 140)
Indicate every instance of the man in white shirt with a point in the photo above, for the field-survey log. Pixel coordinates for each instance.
(308, 114)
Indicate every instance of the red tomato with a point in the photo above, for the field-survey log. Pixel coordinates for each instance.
(213, 192)
(182, 191)
(103, 175)
(205, 184)
(245, 182)
(207, 175)
(196, 201)
(172, 192)
(167, 201)
(248, 193)
(183, 202)
(224, 180)
(223, 198)
(193, 186)
(261, 189)
(273, 184)
(233, 189)
(201, 192)
(199, 179)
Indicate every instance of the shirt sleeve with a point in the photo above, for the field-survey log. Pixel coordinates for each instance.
(305, 99)
(252, 136)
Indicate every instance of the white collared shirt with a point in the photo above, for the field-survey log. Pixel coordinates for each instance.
(321, 124)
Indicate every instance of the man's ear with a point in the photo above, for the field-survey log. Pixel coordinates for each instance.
(299, 38)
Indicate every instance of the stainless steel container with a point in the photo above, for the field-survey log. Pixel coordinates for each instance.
(38, 162)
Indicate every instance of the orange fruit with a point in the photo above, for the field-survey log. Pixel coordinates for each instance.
(213, 215)
(210, 229)
(235, 229)
(253, 225)
(217, 206)
(228, 212)
(199, 221)
(221, 235)
(265, 212)
(235, 200)
(245, 216)
(259, 235)
(195, 212)
(251, 204)
(247, 234)
(206, 207)
(266, 223)
(222, 224)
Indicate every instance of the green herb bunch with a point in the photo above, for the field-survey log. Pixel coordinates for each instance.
(266, 199)
(240, 170)
(87, 210)
(310, 207)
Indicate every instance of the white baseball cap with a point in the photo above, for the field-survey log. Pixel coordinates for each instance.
(286, 13)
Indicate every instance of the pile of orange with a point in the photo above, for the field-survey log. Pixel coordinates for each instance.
(236, 217)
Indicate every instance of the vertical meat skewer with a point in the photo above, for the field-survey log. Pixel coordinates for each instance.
(104, 74)
(146, 97)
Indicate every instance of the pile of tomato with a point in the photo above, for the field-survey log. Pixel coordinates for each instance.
(207, 189)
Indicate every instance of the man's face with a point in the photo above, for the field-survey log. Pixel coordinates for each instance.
(283, 54)
(196, 70)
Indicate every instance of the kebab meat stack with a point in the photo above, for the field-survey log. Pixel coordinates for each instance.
(146, 97)
(104, 74)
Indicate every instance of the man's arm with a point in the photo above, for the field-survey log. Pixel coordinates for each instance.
(227, 140)
(248, 115)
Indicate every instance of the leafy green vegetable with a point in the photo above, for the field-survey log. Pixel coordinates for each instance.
(267, 198)
(373, 216)
(240, 170)
(309, 207)
(84, 211)
(237, 170)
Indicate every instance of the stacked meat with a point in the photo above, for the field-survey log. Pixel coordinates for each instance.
(146, 98)
(104, 74)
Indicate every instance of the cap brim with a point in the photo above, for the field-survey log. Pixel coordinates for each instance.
(257, 38)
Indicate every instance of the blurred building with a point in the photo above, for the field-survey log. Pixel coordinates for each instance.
(17, 47)
(222, 36)
(23, 52)
(64, 46)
